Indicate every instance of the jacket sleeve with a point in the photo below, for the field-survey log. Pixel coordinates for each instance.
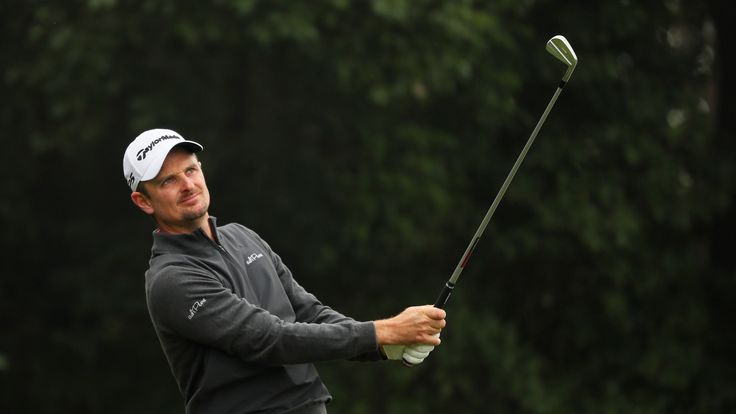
(307, 307)
(198, 307)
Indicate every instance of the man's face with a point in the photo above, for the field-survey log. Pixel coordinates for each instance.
(178, 197)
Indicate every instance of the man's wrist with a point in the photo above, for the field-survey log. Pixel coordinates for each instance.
(383, 332)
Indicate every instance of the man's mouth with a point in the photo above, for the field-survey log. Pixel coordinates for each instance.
(188, 198)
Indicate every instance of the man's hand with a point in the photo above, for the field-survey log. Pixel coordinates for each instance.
(415, 354)
(393, 352)
(411, 354)
(415, 325)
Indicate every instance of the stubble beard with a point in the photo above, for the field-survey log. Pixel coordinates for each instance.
(197, 214)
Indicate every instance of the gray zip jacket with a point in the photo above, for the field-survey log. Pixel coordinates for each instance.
(239, 333)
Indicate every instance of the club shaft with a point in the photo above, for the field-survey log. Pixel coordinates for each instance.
(447, 289)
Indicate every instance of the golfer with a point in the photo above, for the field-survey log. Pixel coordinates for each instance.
(239, 333)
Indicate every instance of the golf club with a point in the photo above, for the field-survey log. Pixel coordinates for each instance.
(560, 48)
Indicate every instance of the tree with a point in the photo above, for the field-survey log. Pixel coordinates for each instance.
(365, 140)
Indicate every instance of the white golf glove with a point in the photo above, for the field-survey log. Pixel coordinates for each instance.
(411, 354)
(415, 354)
(393, 352)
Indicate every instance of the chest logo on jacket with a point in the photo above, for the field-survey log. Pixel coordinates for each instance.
(252, 258)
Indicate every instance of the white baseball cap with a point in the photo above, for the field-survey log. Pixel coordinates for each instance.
(146, 154)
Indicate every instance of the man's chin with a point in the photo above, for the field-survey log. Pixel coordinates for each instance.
(195, 214)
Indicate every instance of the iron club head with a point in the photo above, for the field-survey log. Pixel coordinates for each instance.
(560, 48)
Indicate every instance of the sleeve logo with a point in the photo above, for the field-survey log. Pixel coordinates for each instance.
(195, 308)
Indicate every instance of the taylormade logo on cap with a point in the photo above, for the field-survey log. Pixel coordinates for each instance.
(141, 155)
(146, 154)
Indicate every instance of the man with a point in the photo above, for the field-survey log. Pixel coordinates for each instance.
(239, 333)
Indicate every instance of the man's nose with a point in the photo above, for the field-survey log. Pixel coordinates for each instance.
(187, 183)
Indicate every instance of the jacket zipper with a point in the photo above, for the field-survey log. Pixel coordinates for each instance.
(236, 269)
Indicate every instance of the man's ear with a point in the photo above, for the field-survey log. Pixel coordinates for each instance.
(142, 202)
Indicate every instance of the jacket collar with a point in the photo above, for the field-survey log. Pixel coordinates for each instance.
(196, 240)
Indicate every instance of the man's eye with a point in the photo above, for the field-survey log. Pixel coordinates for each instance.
(191, 170)
(168, 181)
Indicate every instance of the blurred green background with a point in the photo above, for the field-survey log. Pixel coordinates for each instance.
(365, 140)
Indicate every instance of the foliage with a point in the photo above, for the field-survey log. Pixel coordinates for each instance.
(364, 141)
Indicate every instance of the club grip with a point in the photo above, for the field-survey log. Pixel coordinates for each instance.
(439, 303)
(444, 295)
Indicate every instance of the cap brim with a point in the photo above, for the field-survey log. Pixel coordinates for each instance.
(155, 166)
